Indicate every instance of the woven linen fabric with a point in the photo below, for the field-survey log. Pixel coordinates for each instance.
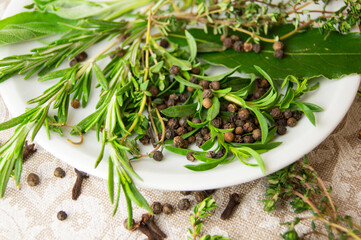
(30, 213)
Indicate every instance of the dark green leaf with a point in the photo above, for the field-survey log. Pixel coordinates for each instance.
(306, 110)
(192, 46)
(202, 166)
(218, 77)
(187, 83)
(182, 151)
(180, 111)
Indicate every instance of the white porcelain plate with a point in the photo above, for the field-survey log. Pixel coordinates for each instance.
(334, 96)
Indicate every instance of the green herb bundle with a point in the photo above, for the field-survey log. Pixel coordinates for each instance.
(164, 74)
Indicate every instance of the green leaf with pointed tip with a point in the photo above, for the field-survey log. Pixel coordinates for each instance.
(192, 46)
(180, 111)
(307, 54)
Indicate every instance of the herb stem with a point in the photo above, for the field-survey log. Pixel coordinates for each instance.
(296, 30)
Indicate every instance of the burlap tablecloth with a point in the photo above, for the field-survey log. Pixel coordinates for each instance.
(31, 212)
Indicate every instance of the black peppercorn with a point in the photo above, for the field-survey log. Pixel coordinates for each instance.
(220, 153)
(167, 208)
(243, 114)
(276, 113)
(184, 204)
(248, 127)
(33, 179)
(145, 140)
(61, 215)
(59, 172)
(174, 70)
(196, 70)
(278, 45)
(158, 156)
(199, 141)
(179, 142)
(196, 120)
(239, 130)
(81, 57)
(229, 126)
(291, 122)
(205, 131)
(204, 84)
(154, 91)
(228, 136)
(181, 131)
(173, 123)
(297, 115)
(207, 93)
(185, 192)
(281, 130)
(217, 122)
(193, 80)
(164, 43)
(207, 137)
(248, 139)
(169, 134)
(190, 156)
(191, 139)
(278, 54)
(248, 46)
(183, 97)
(228, 42)
(238, 46)
(233, 117)
(258, 93)
(157, 207)
(239, 123)
(75, 103)
(211, 154)
(232, 107)
(257, 134)
(200, 196)
(257, 48)
(281, 122)
(215, 85)
(207, 103)
(238, 139)
(235, 38)
(73, 63)
(287, 113)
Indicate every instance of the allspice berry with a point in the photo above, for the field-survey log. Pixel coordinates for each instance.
(281, 130)
(257, 48)
(243, 114)
(248, 46)
(75, 103)
(291, 122)
(184, 204)
(62, 215)
(174, 70)
(239, 130)
(59, 172)
(158, 156)
(33, 179)
(190, 156)
(196, 70)
(215, 85)
(228, 136)
(276, 113)
(154, 91)
(228, 42)
(164, 43)
(257, 134)
(207, 103)
(278, 54)
(238, 46)
(157, 207)
(232, 107)
(278, 45)
(204, 84)
(167, 208)
(207, 93)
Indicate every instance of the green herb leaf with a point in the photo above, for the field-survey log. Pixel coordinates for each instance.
(192, 46)
(213, 111)
(218, 77)
(180, 111)
(306, 110)
(187, 83)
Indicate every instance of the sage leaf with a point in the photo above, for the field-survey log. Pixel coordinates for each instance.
(180, 111)
(192, 46)
(27, 26)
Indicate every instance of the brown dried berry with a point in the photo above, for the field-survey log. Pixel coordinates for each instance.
(157, 207)
(235, 38)
(193, 79)
(248, 46)
(243, 114)
(33, 179)
(191, 139)
(173, 123)
(217, 122)
(297, 115)
(120, 53)
(179, 142)
(291, 122)
(248, 127)
(221, 153)
(73, 63)
(75, 103)
(278, 45)
(184, 204)
(61, 215)
(257, 48)
(257, 134)
(238, 46)
(167, 208)
(190, 156)
(287, 113)
(174, 70)
(185, 192)
(196, 70)
(248, 139)
(281, 122)
(207, 103)
(211, 154)
(81, 57)
(215, 85)
(169, 134)
(228, 42)
(239, 123)
(276, 113)
(199, 141)
(262, 83)
(205, 131)
(196, 120)
(228, 136)
(204, 84)
(190, 89)
(232, 107)
(229, 126)
(278, 54)
(238, 130)
(281, 130)
(158, 156)
(164, 43)
(154, 91)
(181, 131)
(238, 139)
(183, 122)
(207, 93)
(145, 140)
(258, 93)
(59, 172)
(207, 137)
(200, 196)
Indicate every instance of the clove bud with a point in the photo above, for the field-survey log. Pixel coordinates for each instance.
(80, 176)
(234, 200)
(148, 220)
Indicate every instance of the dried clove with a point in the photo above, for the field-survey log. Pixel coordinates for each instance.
(148, 220)
(146, 231)
(80, 176)
(28, 150)
(234, 200)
